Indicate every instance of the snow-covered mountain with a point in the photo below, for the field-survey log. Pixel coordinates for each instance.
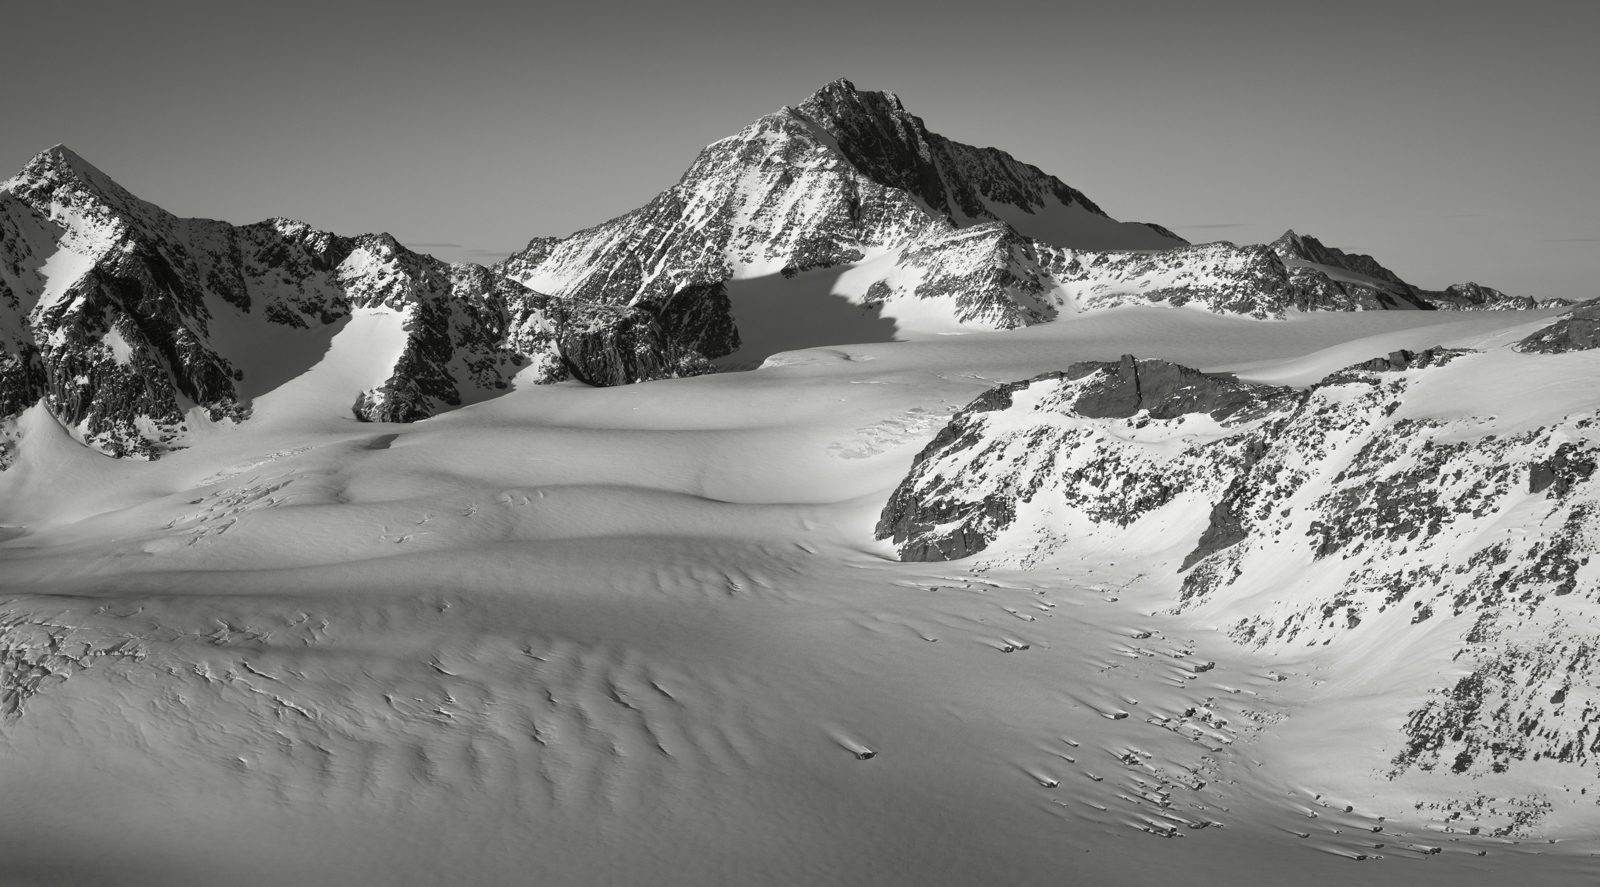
(130, 323)
(1364, 282)
(851, 179)
(1415, 495)
(844, 174)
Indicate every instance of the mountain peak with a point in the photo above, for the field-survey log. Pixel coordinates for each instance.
(841, 100)
(59, 163)
(58, 176)
(841, 94)
(1307, 248)
(1299, 246)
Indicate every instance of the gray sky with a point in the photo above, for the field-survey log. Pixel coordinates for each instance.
(1454, 141)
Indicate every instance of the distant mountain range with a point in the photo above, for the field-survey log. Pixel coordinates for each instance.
(128, 324)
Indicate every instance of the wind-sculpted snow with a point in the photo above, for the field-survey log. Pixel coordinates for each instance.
(1343, 513)
(643, 620)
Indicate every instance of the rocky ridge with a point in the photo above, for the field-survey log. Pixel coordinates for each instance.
(110, 306)
(1339, 514)
(117, 315)
(1368, 284)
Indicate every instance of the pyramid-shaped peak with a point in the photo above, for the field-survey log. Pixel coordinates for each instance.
(1307, 248)
(58, 175)
(58, 161)
(1302, 246)
(1293, 240)
(61, 155)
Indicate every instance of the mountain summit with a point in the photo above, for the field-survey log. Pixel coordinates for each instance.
(843, 175)
(964, 184)
(128, 325)
(926, 226)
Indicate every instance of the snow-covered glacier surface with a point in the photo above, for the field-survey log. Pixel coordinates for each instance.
(954, 533)
(648, 634)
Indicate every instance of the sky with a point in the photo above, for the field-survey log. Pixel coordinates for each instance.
(1453, 141)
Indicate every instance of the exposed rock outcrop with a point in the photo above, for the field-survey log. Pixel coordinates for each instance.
(610, 345)
(1476, 297)
(1577, 330)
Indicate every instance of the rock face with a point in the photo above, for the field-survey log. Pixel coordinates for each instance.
(966, 487)
(101, 317)
(456, 320)
(606, 345)
(1577, 330)
(843, 174)
(1343, 513)
(113, 312)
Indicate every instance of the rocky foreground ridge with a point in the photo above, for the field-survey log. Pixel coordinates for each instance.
(128, 323)
(1342, 513)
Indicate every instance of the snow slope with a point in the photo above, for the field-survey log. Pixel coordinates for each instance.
(644, 635)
